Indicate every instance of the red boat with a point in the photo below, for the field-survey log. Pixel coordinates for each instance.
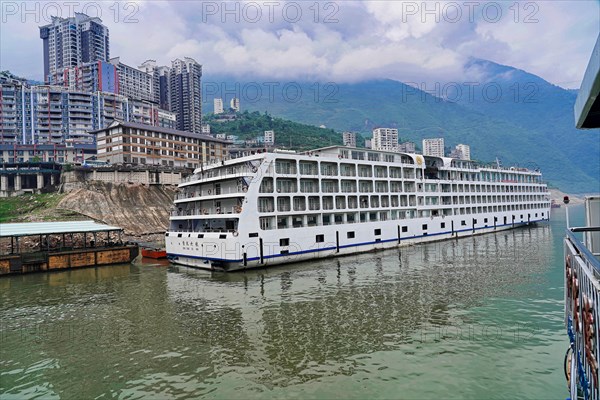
(154, 253)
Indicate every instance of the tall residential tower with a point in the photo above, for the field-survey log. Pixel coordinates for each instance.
(185, 94)
(433, 147)
(69, 42)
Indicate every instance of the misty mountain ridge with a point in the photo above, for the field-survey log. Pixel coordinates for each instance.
(510, 114)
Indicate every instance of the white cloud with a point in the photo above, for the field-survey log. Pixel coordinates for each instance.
(371, 39)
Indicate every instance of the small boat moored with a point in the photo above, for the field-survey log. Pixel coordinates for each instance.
(154, 253)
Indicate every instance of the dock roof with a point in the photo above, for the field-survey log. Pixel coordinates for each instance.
(45, 228)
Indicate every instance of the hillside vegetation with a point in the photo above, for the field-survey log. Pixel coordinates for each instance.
(288, 134)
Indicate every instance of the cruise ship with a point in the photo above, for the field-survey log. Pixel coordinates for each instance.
(279, 207)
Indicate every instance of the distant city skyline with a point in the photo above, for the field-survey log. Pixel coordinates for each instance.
(335, 41)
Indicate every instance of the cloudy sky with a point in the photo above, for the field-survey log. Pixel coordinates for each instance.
(411, 41)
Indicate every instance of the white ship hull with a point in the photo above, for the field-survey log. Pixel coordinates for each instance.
(235, 253)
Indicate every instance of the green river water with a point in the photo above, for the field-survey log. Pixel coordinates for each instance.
(471, 318)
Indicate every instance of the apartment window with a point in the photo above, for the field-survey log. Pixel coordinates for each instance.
(350, 235)
(284, 242)
(320, 238)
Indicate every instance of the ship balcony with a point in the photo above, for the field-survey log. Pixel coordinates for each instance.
(204, 195)
(212, 175)
(211, 212)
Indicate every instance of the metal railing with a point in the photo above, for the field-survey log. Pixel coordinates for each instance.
(207, 211)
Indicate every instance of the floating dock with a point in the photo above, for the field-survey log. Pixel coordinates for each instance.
(51, 246)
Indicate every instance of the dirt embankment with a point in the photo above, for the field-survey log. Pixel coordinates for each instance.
(139, 209)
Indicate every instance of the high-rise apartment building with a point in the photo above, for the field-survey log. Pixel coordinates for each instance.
(433, 147)
(90, 77)
(349, 139)
(185, 94)
(462, 152)
(385, 139)
(54, 114)
(465, 151)
(407, 147)
(269, 138)
(69, 42)
(160, 82)
(235, 104)
(218, 106)
(134, 83)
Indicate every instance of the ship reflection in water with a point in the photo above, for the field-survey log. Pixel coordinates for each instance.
(463, 318)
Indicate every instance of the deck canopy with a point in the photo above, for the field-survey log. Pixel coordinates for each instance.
(587, 106)
(51, 228)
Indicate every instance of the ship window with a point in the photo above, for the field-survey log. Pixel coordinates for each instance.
(474, 221)
(485, 220)
(542, 214)
(222, 236)
(463, 223)
(350, 235)
(442, 225)
(297, 222)
(253, 234)
(284, 242)
(200, 236)
(179, 235)
(167, 234)
(281, 222)
(320, 238)
(424, 227)
(405, 229)
(377, 231)
(284, 252)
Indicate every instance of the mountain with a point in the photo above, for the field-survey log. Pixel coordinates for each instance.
(533, 128)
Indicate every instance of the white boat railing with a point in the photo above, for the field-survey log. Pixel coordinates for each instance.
(207, 211)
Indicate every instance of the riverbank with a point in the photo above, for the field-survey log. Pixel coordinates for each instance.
(141, 210)
(558, 196)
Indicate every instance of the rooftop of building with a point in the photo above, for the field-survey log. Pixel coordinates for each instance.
(160, 129)
(49, 228)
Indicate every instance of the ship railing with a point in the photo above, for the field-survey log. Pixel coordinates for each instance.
(204, 193)
(207, 211)
(205, 230)
(582, 299)
(220, 173)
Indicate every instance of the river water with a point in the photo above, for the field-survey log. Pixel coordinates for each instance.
(470, 318)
